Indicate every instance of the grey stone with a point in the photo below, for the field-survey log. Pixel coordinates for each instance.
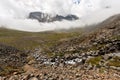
(33, 78)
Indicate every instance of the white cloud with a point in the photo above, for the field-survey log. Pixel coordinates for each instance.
(13, 13)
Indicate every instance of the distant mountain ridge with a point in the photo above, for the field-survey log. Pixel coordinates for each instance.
(44, 17)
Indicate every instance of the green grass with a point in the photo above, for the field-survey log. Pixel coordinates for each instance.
(95, 60)
(116, 37)
(9, 70)
(30, 40)
(114, 62)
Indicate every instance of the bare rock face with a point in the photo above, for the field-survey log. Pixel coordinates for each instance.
(44, 17)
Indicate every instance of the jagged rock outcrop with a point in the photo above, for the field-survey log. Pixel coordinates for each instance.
(44, 17)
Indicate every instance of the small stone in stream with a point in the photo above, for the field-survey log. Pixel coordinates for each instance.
(61, 65)
(33, 78)
(107, 57)
(78, 75)
(1, 78)
(15, 73)
(31, 62)
(89, 67)
(31, 75)
(15, 77)
(26, 77)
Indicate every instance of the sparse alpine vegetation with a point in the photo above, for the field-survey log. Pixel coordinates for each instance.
(52, 55)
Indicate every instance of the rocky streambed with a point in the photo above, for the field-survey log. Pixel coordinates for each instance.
(88, 60)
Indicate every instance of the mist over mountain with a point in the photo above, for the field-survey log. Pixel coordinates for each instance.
(14, 13)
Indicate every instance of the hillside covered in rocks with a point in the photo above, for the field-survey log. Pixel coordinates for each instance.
(92, 54)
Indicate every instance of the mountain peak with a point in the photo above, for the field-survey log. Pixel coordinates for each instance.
(44, 17)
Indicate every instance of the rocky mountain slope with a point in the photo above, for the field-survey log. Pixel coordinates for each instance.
(87, 56)
(105, 36)
(102, 44)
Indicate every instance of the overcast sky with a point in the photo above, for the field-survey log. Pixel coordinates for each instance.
(14, 13)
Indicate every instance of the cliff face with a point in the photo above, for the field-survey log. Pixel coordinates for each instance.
(44, 17)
